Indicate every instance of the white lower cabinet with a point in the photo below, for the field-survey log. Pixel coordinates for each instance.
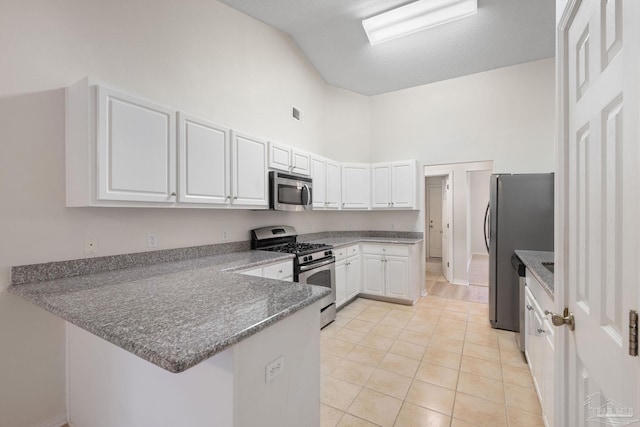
(348, 273)
(391, 271)
(278, 270)
(540, 345)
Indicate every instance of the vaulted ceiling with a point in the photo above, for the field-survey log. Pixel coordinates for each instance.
(330, 33)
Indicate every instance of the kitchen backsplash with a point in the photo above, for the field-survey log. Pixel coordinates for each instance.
(56, 270)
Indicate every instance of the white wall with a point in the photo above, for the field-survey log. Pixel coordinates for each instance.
(505, 115)
(196, 55)
(478, 199)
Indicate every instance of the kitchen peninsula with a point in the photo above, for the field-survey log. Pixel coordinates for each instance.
(215, 334)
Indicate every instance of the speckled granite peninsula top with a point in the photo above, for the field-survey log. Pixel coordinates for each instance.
(533, 260)
(175, 314)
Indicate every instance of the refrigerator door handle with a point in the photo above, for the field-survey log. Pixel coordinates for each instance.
(487, 225)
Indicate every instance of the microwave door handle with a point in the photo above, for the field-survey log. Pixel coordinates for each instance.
(308, 202)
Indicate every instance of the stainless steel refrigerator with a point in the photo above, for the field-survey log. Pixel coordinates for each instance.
(520, 216)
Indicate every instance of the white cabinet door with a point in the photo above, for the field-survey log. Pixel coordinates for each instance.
(396, 277)
(204, 161)
(136, 149)
(300, 162)
(319, 177)
(373, 275)
(354, 276)
(356, 184)
(403, 185)
(538, 352)
(529, 322)
(341, 283)
(334, 185)
(250, 184)
(381, 186)
(279, 156)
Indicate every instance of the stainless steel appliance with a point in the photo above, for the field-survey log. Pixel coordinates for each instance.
(314, 263)
(289, 192)
(520, 217)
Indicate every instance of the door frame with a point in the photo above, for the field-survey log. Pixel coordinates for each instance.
(561, 381)
(428, 215)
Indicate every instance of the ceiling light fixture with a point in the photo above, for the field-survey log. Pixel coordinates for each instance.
(416, 16)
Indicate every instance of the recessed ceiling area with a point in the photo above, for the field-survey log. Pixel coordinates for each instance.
(330, 33)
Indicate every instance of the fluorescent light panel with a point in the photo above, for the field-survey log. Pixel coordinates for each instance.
(416, 16)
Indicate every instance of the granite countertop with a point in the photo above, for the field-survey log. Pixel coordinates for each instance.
(533, 260)
(175, 314)
(338, 242)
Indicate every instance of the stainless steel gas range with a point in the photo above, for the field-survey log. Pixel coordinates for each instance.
(314, 263)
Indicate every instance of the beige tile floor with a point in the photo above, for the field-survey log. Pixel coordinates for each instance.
(437, 363)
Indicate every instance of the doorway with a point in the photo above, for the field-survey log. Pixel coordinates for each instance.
(434, 217)
(478, 185)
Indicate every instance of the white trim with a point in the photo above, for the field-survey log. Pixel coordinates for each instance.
(561, 385)
(57, 421)
(442, 170)
(460, 282)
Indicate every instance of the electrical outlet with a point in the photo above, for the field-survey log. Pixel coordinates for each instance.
(349, 226)
(393, 226)
(274, 369)
(152, 240)
(225, 236)
(91, 245)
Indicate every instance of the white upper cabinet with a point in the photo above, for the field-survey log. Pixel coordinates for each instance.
(393, 185)
(356, 183)
(288, 159)
(334, 185)
(249, 166)
(326, 183)
(381, 186)
(403, 184)
(319, 177)
(119, 148)
(204, 161)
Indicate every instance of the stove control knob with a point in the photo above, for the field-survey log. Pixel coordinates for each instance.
(327, 253)
(305, 258)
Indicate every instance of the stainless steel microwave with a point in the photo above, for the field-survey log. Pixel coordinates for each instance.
(289, 192)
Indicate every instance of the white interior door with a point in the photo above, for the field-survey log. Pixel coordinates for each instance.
(434, 196)
(599, 213)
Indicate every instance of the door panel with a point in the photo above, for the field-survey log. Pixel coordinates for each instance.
(397, 277)
(434, 195)
(373, 282)
(598, 167)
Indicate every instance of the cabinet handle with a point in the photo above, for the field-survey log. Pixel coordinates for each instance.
(173, 194)
(235, 197)
(279, 271)
(228, 197)
(529, 307)
(541, 331)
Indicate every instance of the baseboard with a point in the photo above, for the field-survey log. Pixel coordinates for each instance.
(57, 421)
(461, 282)
(480, 255)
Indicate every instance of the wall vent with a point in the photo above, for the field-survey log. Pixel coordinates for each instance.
(296, 114)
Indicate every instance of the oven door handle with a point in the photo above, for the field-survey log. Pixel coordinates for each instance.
(316, 265)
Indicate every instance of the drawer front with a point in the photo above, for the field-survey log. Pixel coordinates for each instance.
(353, 250)
(340, 254)
(278, 271)
(396, 250)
